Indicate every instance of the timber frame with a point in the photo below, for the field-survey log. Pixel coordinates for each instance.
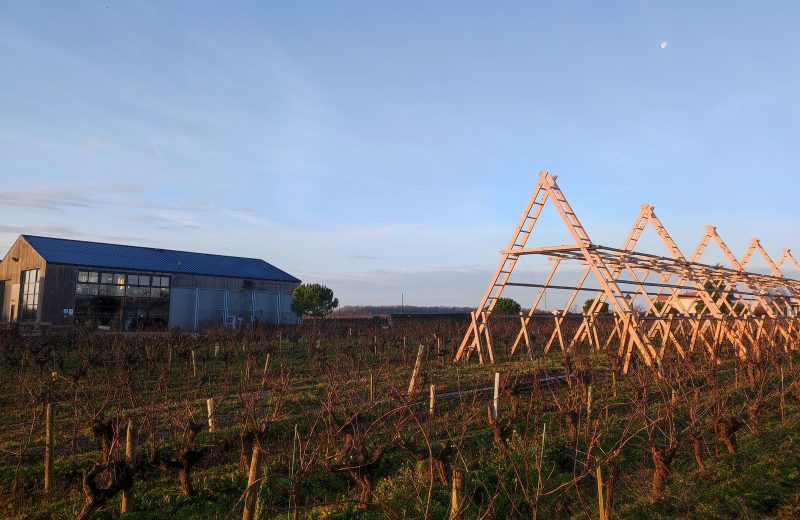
(736, 308)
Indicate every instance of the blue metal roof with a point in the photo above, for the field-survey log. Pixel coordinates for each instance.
(115, 256)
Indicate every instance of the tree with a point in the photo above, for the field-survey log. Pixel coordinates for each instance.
(722, 294)
(588, 305)
(313, 300)
(506, 306)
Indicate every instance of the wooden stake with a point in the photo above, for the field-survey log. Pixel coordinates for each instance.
(371, 388)
(210, 407)
(417, 364)
(431, 399)
(49, 446)
(783, 416)
(589, 402)
(496, 400)
(614, 383)
(600, 504)
(251, 493)
(130, 455)
(194, 364)
(264, 373)
(456, 512)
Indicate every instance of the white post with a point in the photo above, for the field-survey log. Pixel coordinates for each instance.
(252, 308)
(196, 305)
(431, 399)
(371, 388)
(210, 406)
(264, 373)
(251, 493)
(417, 363)
(130, 455)
(225, 310)
(496, 400)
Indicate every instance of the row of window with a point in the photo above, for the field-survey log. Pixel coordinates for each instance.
(145, 280)
(87, 289)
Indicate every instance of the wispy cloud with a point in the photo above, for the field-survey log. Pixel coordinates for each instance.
(366, 257)
(47, 198)
(68, 232)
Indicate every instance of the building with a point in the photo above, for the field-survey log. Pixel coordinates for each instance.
(685, 304)
(72, 282)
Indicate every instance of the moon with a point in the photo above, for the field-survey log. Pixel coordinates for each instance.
(664, 44)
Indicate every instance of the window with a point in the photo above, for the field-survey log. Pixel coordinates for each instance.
(138, 292)
(161, 281)
(29, 287)
(122, 300)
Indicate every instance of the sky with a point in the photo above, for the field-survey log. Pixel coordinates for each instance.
(388, 148)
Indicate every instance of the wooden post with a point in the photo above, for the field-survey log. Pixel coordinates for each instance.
(417, 363)
(130, 455)
(600, 504)
(194, 364)
(456, 512)
(496, 399)
(251, 493)
(431, 399)
(210, 407)
(371, 388)
(589, 403)
(216, 349)
(264, 373)
(49, 446)
(525, 336)
(614, 383)
(783, 415)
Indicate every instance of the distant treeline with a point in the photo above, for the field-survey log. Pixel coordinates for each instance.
(386, 310)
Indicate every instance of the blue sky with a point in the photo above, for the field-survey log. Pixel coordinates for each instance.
(389, 147)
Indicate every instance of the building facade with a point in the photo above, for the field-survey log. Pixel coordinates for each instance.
(64, 282)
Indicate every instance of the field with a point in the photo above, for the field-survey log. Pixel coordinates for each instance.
(320, 419)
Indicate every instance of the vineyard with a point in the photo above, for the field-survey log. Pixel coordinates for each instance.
(366, 419)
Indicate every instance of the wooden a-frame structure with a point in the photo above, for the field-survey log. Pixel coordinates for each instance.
(734, 307)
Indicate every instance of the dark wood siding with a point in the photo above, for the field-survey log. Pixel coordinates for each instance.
(59, 294)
